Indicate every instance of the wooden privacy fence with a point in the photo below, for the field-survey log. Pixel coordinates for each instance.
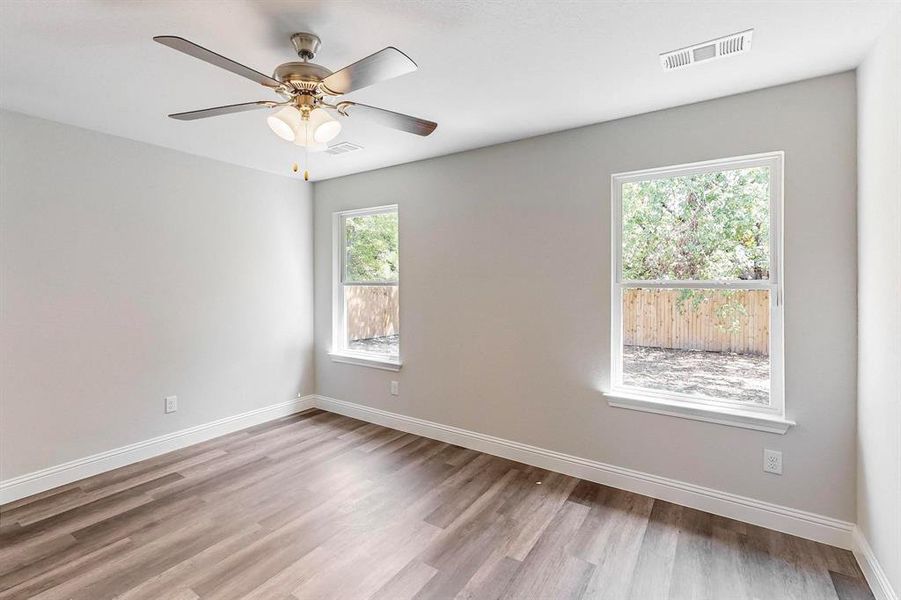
(720, 321)
(372, 311)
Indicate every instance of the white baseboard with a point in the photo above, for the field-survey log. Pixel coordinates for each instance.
(872, 570)
(51, 477)
(772, 516)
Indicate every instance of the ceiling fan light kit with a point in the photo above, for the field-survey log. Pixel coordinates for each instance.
(303, 115)
(313, 128)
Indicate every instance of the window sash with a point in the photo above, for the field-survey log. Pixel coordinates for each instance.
(370, 283)
(775, 353)
(716, 284)
(772, 160)
(342, 223)
(339, 258)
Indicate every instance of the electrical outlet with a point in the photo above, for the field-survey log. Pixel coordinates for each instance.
(395, 389)
(171, 404)
(772, 461)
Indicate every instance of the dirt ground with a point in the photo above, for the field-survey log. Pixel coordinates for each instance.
(741, 377)
(382, 345)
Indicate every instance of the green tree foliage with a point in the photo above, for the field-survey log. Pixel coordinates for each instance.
(371, 242)
(699, 227)
(705, 226)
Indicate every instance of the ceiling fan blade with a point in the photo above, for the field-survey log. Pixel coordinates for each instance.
(222, 110)
(192, 49)
(384, 64)
(389, 118)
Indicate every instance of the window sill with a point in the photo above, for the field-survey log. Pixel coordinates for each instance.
(723, 416)
(365, 360)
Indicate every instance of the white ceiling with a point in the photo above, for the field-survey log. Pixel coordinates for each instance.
(490, 72)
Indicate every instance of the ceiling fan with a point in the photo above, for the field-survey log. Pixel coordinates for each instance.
(305, 87)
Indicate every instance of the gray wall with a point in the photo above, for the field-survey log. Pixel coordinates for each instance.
(505, 255)
(879, 234)
(131, 272)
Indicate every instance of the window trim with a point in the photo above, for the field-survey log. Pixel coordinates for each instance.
(769, 418)
(338, 352)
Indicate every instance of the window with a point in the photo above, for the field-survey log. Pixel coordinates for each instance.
(366, 303)
(697, 290)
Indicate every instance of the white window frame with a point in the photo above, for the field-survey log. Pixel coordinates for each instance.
(339, 351)
(769, 418)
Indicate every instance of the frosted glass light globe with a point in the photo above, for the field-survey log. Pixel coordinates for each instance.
(324, 127)
(284, 122)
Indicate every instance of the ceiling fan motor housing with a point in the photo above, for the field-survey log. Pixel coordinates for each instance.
(301, 75)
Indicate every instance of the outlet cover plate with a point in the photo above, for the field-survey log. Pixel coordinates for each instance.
(171, 404)
(772, 461)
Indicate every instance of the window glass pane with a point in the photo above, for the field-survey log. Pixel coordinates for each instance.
(712, 343)
(371, 248)
(697, 227)
(373, 318)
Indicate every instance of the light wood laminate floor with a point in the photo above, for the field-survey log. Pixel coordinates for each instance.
(318, 505)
